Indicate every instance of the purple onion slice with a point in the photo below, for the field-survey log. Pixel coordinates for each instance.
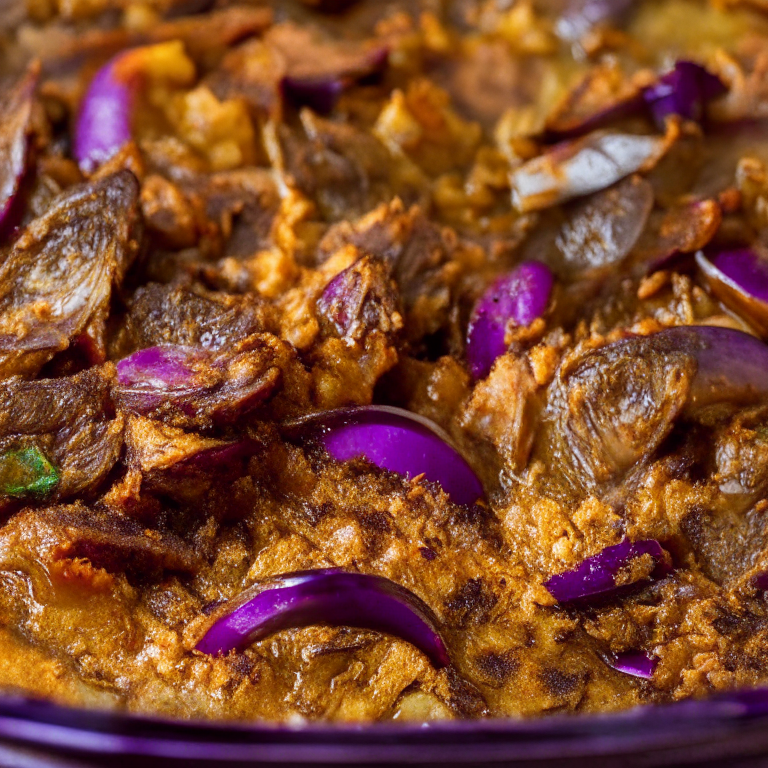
(739, 278)
(520, 296)
(15, 127)
(576, 168)
(684, 91)
(396, 440)
(635, 663)
(607, 572)
(326, 596)
(104, 121)
(731, 365)
(320, 95)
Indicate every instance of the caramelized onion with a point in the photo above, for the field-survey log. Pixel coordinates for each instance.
(731, 365)
(327, 596)
(179, 383)
(576, 168)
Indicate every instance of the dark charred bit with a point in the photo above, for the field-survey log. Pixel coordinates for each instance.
(497, 668)
(471, 604)
(465, 698)
(558, 683)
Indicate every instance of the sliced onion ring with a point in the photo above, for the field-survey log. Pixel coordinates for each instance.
(396, 440)
(739, 278)
(193, 381)
(326, 596)
(520, 296)
(597, 575)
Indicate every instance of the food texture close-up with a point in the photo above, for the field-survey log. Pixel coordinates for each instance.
(383, 360)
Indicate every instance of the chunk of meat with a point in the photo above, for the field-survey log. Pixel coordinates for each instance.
(195, 387)
(107, 540)
(421, 255)
(503, 410)
(190, 316)
(346, 170)
(180, 464)
(62, 48)
(610, 409)
(69, 420)
(489, 78)
(257, 70)
(57, 280)
(168, 214)
(307, 55)
(360, 299)
(244, 203)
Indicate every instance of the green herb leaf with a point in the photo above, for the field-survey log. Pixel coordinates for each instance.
(27, 472)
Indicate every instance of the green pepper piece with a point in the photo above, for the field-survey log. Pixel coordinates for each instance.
(27, 472)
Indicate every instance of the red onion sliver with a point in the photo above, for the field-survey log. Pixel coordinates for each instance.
(519, 296)
(635, 663)
(327, 596)
(185, 382)
(168, 365)
(684, 91)
(402, 442)
(596, 576)
(104, 121)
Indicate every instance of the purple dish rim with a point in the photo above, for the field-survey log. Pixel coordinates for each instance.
(683, 733)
